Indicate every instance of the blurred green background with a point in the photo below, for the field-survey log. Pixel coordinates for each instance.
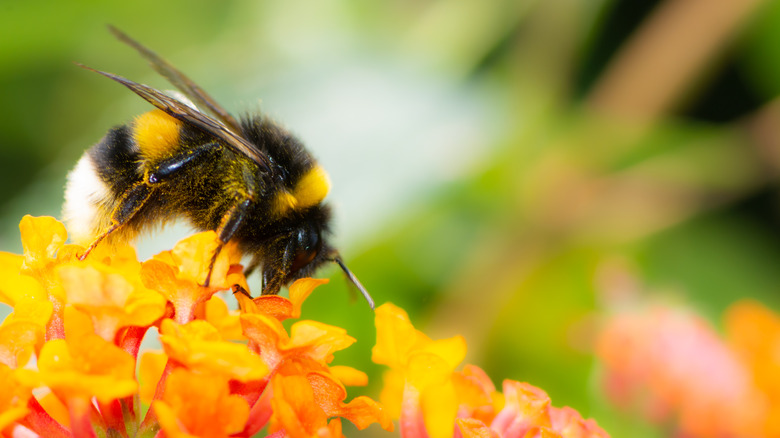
(498, 166)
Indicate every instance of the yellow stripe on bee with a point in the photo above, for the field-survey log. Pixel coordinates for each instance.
(310, 190)
(156, 133)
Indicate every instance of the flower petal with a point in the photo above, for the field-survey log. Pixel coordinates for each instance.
(282, 308)
(395, 337)
(185, 295)
(193, 256)
(294, 409)
(198, 346)
(362, 411)
(22, 333)
(15, 286)
(227, 323)
(526, 406)
(569, 423)
(349, 376)
(42, 237)
(317, 340)
(473, 428)
(150, 369)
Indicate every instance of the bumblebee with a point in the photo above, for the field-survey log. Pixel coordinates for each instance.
(249, 180)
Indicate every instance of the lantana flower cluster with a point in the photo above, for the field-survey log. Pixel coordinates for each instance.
(71, 365)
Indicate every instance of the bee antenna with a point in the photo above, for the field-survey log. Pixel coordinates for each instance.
(354, 281)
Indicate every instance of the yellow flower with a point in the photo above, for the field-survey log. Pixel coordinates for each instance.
(427, 366)
(431, 398)
(95, 313)
(32, 276)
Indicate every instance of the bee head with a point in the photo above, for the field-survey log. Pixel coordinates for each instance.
(298, 250)
(301, 250)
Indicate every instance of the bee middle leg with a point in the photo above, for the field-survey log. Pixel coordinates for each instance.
(228, 226)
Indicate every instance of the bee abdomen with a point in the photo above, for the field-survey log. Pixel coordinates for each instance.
(99, 179)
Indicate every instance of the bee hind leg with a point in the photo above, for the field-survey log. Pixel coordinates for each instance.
(228, 226)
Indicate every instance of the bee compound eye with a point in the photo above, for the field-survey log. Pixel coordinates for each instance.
(308, 239)
(308, 244)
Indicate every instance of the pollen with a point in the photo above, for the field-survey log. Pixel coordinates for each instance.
(156, 133)
(284, 202)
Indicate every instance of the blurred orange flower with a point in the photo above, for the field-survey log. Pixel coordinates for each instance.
(672, 364)
(753, 332)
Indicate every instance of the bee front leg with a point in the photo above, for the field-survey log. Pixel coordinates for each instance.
(131, 202)
(228, 226)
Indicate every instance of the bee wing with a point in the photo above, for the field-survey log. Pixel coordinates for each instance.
(190, 89)
(187, 114)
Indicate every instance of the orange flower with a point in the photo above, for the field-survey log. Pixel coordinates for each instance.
(308, 340)
(113, 298)
(473, 428)
(179, 274)
(199, 405)
(198, 346)
(753, 331)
